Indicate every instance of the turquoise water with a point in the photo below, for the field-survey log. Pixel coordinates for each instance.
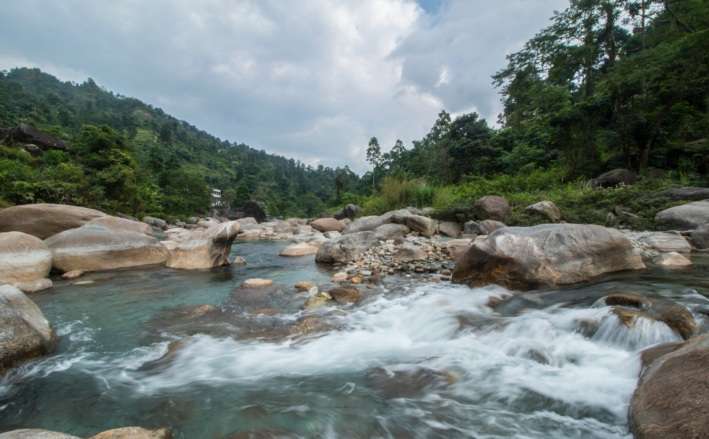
(412, 360)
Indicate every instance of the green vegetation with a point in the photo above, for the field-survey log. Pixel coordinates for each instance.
(129, 157)
(608, 84)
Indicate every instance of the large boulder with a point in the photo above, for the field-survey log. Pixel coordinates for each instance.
(350, 211)
(546, 255)
(345, 248)
(613, 178)
(545, 209)
(418, 223)
(202, 249)
(34, 433)
(485, 227)
(122, 224)
(366, 223)
(25, 261)
(629, 307)
(687, 193)
(45, 220)
(684, 217)
(24, 331)
(492, 207)
(96, 248)
(389, 231)
(327, 225)
(672, 398)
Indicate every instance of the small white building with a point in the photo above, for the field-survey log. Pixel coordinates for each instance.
(217, 198)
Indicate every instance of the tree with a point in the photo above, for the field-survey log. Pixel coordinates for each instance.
(374, 156)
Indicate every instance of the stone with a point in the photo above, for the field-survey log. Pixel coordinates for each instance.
(34, 433)
(366, 224)
(492, 207)
(134, 433)
(304, 285)
(386, 232)
(332, 235)
(671, 260)
(345, 248)
(418, 223)
(615, 177)
(700, 237)
(345, 295)
(122, 224)
(206, 223)
(687, 193)
(546, 209)
(256, 283)
(672, 400)
(629, 306)
(340, 276)
(239, 260)
(457, 247)
(202, 249)
(350, 211)
(545, 255)
(24, 331)
(317, 301)
(485, 227)
(661, 242)
(299, 249)
(409, 252)
(25, 261)
(45, 220)
(158, 223)
(684, 217)
(327, 225)
(248, 221)
(95, 248)
(450, 229)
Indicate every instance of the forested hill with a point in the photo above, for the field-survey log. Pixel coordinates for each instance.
(127, 156)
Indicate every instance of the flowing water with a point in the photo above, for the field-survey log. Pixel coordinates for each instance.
(412, 360)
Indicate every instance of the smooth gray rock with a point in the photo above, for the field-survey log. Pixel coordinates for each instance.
(345, 248)
(684, 217)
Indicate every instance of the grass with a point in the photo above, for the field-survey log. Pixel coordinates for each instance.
(579, 203)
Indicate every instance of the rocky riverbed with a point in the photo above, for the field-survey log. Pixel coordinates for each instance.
(357, 312)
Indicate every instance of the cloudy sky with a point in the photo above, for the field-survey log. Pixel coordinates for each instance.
(310, 79)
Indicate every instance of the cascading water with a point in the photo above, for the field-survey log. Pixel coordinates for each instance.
(413, 360)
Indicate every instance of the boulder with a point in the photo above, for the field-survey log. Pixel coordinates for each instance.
(248, 221)
(418, 223)
(492, 207)
(134, 433)
(256, 283)
(95, 248)
(206, 223)
(457, 247)
(24, 133)
(475, 228)
(672, 400)
(614, 178)
(386, 232)
(350, 211)
(299, 249)
(25, 261)
(122, 224)
(450, 229)
(327, 225)
(700, 237)
(34, 433)
(546, 255)
(345, 295)
(45, 220)
(408, 252)
(24, 331)
(158, 223)
(671, 260)
(366, 224)
(684, 217)
(345, 248)
(205, 248)
(629, 306)
(687, 193)
(546, 209)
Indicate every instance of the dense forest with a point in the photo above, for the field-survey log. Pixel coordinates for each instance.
(126, 156)
(608, 84)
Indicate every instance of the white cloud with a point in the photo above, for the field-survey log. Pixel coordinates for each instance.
(311, 79)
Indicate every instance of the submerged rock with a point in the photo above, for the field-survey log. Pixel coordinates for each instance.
(545, 255)
(345, 295)
(134, 433)
(45, 220)
(684, 217)
(628, 307)
(671, 260)
(34, 433)
(95, 248)
(24, 331)
(672, 399)
(202, 249)
(256, 283)
(25, 261)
